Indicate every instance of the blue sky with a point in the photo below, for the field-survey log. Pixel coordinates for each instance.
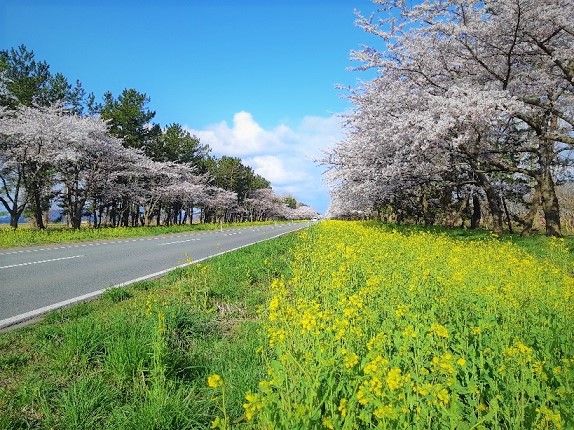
(254, 79)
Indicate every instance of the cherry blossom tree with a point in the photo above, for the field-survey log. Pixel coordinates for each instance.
(120, 178)
(32, 139)
(5, 94)
(52, 151)
(88, 155)
(13, 196)
(263, 204)
(469, 94)
(221, 202)
(178, 189)
(49, 151)
(302, 212)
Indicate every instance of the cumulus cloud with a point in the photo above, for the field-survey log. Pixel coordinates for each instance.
(271, 168)
(244, 137)
(283, 155)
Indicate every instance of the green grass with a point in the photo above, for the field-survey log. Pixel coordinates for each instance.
(139, 357)
(55, 233)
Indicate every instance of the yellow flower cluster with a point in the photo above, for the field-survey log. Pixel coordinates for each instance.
(439, 330)
(214, 381)
(376, 328)
(253, 405)
(549, 419)
(350, 359)
(519, 352)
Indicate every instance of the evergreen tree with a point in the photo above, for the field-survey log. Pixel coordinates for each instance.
(130, 119)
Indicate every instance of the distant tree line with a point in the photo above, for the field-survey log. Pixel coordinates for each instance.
(470, 121)
(108, 162)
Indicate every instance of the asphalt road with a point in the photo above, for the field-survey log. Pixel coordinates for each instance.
(34, 280)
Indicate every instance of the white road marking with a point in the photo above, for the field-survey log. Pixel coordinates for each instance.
(111, 242)
(41, 261)
(177, 241)
(26, 251)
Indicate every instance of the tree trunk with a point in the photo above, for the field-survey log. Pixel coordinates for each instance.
(548, 197)
(476, 212)
(14, 219)
(101, 212)
(550, 205)
(428, 215)
(15, 214)
(76, 217)
(112, 216)
(531, 215)
(75, 209)
(75, 205)
(95, 214)
(508, 221)
(125, 220)
(493, 202)
(38, 212)
(463, 210)
(190, 212)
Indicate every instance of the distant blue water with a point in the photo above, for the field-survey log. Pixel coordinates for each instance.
(6, 219)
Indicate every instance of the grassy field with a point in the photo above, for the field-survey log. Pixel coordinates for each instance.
(344, 326)
(26, 236)
(140, 357)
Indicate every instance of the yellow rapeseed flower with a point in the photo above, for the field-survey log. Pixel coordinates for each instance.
(274, 304)
(328, 423)
(350, 359)
(443, 396)
(386, 411)
(343, 407)
(254, 404)
(393, 379)
(549, 418)
(409, 331)
(375, 365)
(376, 292)
(439, 330)
(362, 394)
(214, 381)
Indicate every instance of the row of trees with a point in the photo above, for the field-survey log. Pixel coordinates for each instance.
(472, 110)
(108, 161)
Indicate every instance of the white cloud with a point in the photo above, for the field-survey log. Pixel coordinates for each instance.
(244, 137)
(283, 155)
(270, 167)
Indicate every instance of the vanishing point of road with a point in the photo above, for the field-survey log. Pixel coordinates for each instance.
(34, 280)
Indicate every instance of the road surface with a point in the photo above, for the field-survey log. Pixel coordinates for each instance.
(34, 280)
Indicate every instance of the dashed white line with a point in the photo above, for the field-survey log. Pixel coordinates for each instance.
(25, 251)
(177, 241)
(41, 261)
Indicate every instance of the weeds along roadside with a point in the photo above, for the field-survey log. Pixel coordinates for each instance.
(140, 357)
